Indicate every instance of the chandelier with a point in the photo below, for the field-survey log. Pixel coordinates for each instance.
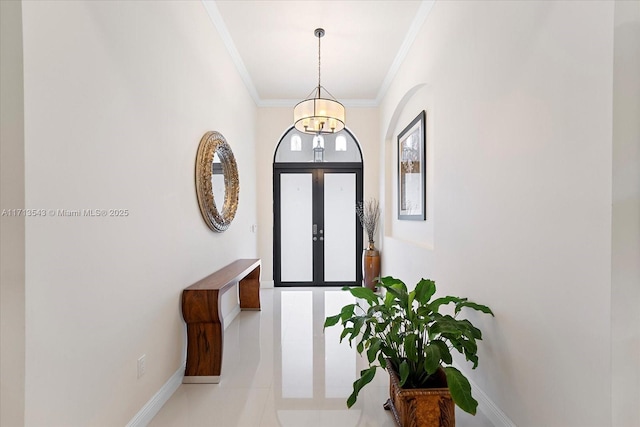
(317, 114)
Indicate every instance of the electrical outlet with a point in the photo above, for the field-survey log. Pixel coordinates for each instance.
(142, 365)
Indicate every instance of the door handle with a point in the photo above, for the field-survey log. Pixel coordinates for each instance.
(315, 229)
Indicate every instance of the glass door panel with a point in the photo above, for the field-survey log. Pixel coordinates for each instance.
(296, 216)
(317, 238)
(339, 227)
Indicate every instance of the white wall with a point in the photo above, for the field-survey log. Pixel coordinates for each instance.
(625, 256)
(408, 245)
(12, 228)
(117, 96)
(519, 105)
(272, 123)
(520, 117)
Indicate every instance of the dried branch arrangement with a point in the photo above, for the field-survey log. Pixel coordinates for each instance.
(369, 214)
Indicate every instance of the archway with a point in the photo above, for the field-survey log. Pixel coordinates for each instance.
(317, 182)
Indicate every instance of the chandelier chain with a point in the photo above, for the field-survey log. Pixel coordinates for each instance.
(319, 114)
(319, 37)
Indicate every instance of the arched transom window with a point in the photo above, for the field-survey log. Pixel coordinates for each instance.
(298, 147)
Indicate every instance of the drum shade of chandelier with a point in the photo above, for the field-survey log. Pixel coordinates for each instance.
(317, 114)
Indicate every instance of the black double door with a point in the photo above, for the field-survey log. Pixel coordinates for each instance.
(317, 236)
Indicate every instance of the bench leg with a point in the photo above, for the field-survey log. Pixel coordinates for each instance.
(204, 352)
(249, 290)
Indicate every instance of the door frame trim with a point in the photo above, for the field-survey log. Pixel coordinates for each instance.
(278, 169)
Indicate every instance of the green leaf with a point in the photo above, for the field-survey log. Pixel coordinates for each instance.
(472, 330)
(394, 332)
(460, 390)
(389, 300)
(447, 325)
(445, 354)
(347, 312)
(435, 304)
(375, 309)
(432, 358)
(358, 322)
(365, 378)
(382, 360)
(373, 349)
(366, 335)
(473, 305)
(470, 346)
(380, 326)
(410, 347)
(332, 320)
(390, 281)
(455, 342)
(472, 358)
(425, 312)
(424, 290)
(388, 352)
(410, 298)
(397, 289)
(364, 293)
(395, 295)
(345, 332)
(404, 372)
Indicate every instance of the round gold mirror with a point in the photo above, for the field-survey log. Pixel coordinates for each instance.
(217, 183)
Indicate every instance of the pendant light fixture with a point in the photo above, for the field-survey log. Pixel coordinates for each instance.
(319, 115)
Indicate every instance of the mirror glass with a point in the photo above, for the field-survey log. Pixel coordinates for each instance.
(217, 181)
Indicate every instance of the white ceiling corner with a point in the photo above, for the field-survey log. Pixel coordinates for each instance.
(218, 22)
(412, 33)
(272, 45)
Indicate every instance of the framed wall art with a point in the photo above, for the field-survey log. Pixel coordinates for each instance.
(412, 176)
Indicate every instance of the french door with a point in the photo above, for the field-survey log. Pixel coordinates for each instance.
(317, 237)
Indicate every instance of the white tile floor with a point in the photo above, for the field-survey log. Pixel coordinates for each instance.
(280, 369)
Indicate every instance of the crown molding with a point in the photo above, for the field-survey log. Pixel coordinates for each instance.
(421, 16)
(410, 37)
(290, 103)
(218, 23)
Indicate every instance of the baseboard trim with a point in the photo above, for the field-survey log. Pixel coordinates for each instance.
(153, 406)
(231, 316)
(488, 407)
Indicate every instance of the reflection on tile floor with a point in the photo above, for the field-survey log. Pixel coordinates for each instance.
(281, 370)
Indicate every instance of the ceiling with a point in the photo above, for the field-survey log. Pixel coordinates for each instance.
(276, 52)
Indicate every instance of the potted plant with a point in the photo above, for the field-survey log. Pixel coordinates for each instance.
(369, 215)
(405, 333)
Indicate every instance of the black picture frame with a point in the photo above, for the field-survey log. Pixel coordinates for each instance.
(412, 170)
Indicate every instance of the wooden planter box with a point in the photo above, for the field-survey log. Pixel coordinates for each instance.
(421, 407)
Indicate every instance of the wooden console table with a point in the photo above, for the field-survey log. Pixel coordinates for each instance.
(201, 309)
